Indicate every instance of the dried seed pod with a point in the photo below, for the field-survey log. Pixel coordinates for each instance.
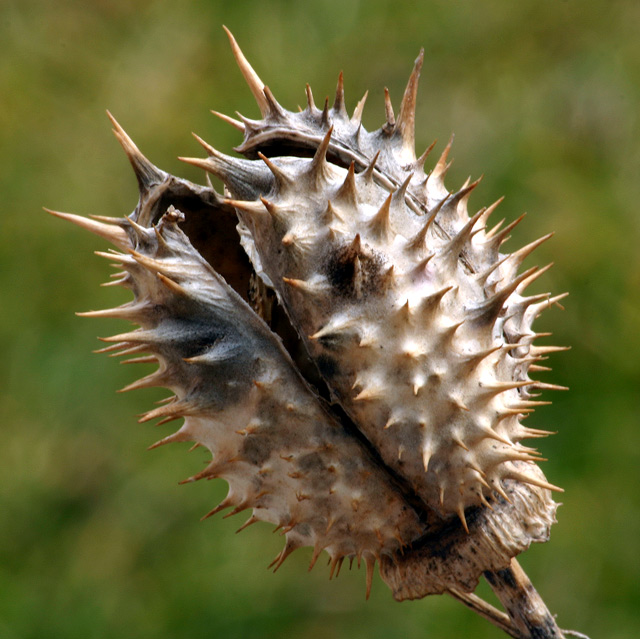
(379, 415)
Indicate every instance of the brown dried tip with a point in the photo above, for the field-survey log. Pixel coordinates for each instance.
(146, 173)
(405, 125)
(253, 80)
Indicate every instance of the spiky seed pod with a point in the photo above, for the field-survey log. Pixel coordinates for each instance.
(384, 296)
(416, 322)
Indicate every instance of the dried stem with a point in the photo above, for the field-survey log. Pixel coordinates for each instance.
(486, 610)
(527, 611)
(528, 616)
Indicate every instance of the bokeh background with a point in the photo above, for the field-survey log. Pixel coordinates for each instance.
(96, 537)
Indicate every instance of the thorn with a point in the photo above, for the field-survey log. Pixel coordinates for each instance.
(317, 167)
(386, 279)
(250, 126)
(330, 524)
(460, 199)
(388, 107)
(535, 274)
(356, 118)
(370, 562)
(131, 311)
(496, 486)
(526, 403)
(404, 312)
(284, 553)
(441, 167)
(276, 112)
(255, 83)
(405, 125)
(451, 251)
(252, 208)
(238, 509)
(368, 393)
(533, 481)
(174, 410)
(177, 437)
(535, 368)
(330, 215)
(490, 433)
(379, 223)
(427, 452)
(114, 347)
(109, 232)
(419, 164)
(225, 503)
(470, 362)
(348, 192)
(399, 193)
(543, 306)
(338, 104)
(324, 119)
(211, 152)
(546, 350)
(367, 174)
(303, 286)
(310, 103)
(252, 520)
(173, 286)
(518, 256)
(499, 238)
(131, 351)
(417, 242)
(545, 386)
(138, 336)
(431, 302)
(149, 381)
(489, 310)
(496, 388)
(458, 442)
(463, 519)
(483, 276)
(146, 173)
(484, 500)
(317, 549)
(331, 328)
(236, 124)
(282, 179)
(336, 562)
(356, 245)
(392, 421)
(123, 281)
(535, 433)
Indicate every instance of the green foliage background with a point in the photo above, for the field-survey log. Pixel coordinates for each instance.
(96, 537)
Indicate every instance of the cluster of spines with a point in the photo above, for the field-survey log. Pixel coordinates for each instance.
(281, 453)
(487, 297)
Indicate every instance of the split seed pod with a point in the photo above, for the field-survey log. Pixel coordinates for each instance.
(356, 355)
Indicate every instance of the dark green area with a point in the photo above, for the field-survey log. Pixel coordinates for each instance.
(96, 538)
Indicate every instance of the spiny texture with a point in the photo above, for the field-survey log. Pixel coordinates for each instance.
(417, 323)
(379, 414)
(283, 455)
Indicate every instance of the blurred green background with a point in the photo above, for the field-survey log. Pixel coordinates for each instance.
(96, 537)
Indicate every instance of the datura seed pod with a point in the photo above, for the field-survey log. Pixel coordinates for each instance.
(352, 345)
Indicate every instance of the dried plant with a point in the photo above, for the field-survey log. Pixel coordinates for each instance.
(350, 344)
